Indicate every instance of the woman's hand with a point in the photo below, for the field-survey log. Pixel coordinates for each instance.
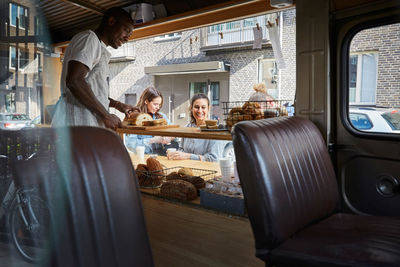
(177, 155)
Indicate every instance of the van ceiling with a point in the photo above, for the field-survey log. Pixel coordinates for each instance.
(65, 18)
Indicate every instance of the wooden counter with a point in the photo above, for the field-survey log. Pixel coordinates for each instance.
(183, 235)
(188, 132)
(187, 234)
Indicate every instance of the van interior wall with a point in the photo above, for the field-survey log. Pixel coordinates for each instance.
(312, 57)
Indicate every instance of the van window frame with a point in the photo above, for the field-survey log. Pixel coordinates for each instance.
(344, 77)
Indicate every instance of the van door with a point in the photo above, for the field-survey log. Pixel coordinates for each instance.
(366, 53)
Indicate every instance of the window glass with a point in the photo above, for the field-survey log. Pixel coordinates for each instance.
(19, 12)
(13, 14)
(393, 118)
(268, 74)
(10, 102)
(374, 79)
(201, 87)
(13, 57)
(360, 121)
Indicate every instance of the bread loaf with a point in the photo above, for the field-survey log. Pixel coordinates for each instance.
(178, 189)
(136, 118)
(142, 175)
(211, 122)
(155, 171)
(185, 171)
(153, 164)
(197, 181)
(173, 176)
(156, 122)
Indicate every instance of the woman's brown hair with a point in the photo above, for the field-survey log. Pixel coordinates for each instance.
(194, 98)
(149, 94)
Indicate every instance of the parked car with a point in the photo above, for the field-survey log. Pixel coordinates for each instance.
(374, 119)
(14, 121)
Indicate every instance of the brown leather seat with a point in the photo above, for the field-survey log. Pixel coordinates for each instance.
(96, 204)
(291, 195)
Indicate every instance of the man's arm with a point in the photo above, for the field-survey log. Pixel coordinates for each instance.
(81, 90)
(124, 108)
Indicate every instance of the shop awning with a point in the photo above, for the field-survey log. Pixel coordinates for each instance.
(188, 68)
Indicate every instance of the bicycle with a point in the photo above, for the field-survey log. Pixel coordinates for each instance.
(27, 214)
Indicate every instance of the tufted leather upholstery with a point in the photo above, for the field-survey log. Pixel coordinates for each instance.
(291, 196)
(96, 203)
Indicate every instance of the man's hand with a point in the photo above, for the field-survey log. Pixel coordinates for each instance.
(112, 122)
(126, 108)
(122, 107)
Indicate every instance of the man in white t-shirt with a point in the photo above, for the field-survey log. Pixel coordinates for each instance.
(85, 74)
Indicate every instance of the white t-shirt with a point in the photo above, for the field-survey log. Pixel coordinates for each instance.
(86, 48)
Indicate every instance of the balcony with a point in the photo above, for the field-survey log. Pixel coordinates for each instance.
(125, 53)
(234, 34)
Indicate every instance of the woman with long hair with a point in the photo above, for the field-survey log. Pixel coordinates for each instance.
(150, 102)
(199, 149)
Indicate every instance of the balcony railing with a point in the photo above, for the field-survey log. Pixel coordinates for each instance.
(234, 33)
(124, 53)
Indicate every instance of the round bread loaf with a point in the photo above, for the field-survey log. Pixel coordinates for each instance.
(197, 181)
(155, 170)
(136, 118)
(153, 164)
(178, 189)
(185, 171)
(173, 176)
(142, 175)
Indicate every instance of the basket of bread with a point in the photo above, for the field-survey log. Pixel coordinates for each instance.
(253, 110)
(151, 174)
(180, 183)
(184, 183)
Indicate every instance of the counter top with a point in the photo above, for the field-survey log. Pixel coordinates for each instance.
(188, 132)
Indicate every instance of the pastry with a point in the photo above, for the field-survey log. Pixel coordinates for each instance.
(185, 171)
(153, 164)
(142, 175)
(136, 118)
(173, 176)
(236, 110)
(178, 189)
(211, 122)
(156, 172)
(197, 181)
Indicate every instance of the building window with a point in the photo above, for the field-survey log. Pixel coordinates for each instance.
(171, 36)
(268, 74)
(10, 102)
(362, 78)
(21, 61)
(202, 88)
(19, 12)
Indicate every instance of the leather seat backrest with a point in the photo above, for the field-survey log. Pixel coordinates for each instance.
(98, 213)
(286, 174)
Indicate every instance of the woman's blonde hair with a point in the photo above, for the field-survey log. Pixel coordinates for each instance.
(260, 87)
